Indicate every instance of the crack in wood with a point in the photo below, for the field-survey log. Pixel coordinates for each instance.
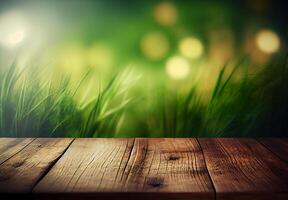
(51, 165)
(167, 168)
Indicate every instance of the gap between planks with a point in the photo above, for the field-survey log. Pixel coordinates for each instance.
(132, 158)
(12, 146)
(278, 146)
(160, 165)
(139, 153)
(52, 164)
(244, 169)
(209, 175)
(19, 173)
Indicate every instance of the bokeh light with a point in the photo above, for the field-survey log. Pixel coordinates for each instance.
(268, 41)
(191, 47)
(177, 67)
(174, 45)
(165, 14)
(154, 45)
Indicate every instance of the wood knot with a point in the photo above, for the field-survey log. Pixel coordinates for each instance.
(173, 157)
(155, 182)
(18, 164)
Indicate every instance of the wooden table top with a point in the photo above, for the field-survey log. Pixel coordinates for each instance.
(140, 168)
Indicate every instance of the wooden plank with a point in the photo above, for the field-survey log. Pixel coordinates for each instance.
(168, 165)
(21, 172)
(127, 169)
(88, 166)
(279, 146)
(244, 169)
(11, 146)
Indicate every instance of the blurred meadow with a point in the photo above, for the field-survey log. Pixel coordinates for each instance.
(110, 68)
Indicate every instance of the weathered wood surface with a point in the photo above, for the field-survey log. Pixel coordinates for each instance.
(10, 146)
(142, 168)
(132, 166)
(20, 173)
(279, 146)
(89, 165)
(244, 169)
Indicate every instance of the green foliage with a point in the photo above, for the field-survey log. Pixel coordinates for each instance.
(33, 105)
(252, 106)
(101, 116)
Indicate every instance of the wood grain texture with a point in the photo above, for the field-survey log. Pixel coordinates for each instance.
(10, 146)
(129, 169)
(168, 165)
(89, 165)
(244, 169)
(21, 172)
(279, 146)
(240, 169)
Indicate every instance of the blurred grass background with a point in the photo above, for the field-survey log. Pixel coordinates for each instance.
(143, 68)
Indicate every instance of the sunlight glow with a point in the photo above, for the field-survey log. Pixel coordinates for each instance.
(13, 30)
(191, 47)
(15, 38)
(154, 45)
(177, 67)
(268, 41)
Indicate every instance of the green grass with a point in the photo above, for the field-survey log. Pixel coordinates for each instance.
(252, 106)
(33, 105)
